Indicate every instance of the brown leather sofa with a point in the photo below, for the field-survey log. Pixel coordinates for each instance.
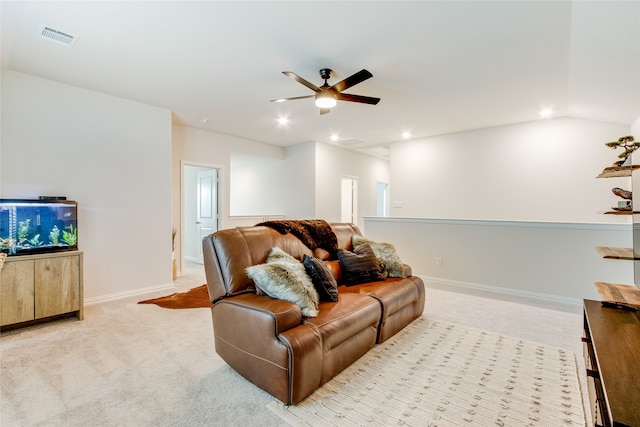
(269, 342)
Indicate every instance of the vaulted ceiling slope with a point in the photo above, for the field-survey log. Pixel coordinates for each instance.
(439, 66)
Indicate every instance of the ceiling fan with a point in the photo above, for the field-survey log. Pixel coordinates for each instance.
(327, 96)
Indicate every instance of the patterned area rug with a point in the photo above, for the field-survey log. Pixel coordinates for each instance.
(442, 374)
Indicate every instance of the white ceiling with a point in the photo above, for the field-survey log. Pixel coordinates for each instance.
(439, 67)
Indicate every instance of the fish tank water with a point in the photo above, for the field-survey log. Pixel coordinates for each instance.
(38, 226)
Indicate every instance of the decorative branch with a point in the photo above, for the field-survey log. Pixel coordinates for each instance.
(627, 143)
(173, 239)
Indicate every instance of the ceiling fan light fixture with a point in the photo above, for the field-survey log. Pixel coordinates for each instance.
(325, 100)
(326, 97)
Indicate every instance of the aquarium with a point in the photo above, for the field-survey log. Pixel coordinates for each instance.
(38, 226)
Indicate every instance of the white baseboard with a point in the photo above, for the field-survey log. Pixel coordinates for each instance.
(504, 291)
(427, 280)
(120, 295)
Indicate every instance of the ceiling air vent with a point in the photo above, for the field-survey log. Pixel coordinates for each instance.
(379, 151)
(59, 36)
(348, 142)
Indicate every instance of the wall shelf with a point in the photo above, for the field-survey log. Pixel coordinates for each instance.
(621, 212)
(617, 171)
(617, 253)
(628, 294)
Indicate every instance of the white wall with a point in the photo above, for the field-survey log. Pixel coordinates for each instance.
(332, 163)
(203, 148)
(256, 185)
(300, 160)
(260, 181)
(635, 129)
(109, 154)
(538, 171)
(534, 205)
(554, 260)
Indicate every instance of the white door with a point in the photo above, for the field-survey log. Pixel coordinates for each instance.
(349, 200)
(382, 195)
(207, 206)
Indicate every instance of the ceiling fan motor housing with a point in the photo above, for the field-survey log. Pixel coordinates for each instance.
(326, 74)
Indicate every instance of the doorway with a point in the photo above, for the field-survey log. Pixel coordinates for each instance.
(200, 208)
(382, 199)
(349, 200)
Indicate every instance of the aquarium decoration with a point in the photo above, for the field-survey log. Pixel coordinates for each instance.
(70, 237)
(29, 226)
(23, 230)
(54, 235)
(35, 241)
(6, 243)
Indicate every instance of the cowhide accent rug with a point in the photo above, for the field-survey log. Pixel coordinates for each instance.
(443, 374)
(193, 298)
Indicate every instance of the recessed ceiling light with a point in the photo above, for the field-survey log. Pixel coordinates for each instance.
(334, 137)
(203, 120)
(546, 113)
(283, 121)
(406, 135)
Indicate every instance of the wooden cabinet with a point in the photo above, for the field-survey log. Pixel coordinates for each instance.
(17, 292)
(612, 358)
(37, 287)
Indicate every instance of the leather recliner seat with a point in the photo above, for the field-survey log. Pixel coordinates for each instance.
(269, 342)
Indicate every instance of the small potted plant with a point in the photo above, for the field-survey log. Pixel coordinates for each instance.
(628, 144)
(173, 253)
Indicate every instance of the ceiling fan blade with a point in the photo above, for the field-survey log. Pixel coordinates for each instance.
(291, 99)
(325, 110)
(357, 98)
(352, 80)
(299, 79)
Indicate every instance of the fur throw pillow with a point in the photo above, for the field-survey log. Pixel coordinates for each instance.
(386, 254)
(284, 277)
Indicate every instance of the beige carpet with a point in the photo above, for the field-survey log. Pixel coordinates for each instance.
(442, 374)
(130, 364)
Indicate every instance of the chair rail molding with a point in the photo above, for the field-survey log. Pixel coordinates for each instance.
(548, 260)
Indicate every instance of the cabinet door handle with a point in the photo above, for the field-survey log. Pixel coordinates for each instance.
(586, 339)
(593, 373)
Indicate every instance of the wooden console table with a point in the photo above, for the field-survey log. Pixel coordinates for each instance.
(612, 358)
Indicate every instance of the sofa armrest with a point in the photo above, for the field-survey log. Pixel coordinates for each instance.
(265, 341)
(285, 315)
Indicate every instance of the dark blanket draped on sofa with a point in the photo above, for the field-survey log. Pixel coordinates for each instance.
(314, 233)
